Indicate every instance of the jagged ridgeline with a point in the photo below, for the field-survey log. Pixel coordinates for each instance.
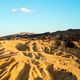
(71, 34)
(45, 56)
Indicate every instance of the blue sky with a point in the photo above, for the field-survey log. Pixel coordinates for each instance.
(38, 15)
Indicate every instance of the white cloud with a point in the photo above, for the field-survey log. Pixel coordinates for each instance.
(14, 10)
(21, 10)
(25, 10)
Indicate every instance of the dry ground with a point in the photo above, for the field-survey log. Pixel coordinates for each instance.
(37, 60)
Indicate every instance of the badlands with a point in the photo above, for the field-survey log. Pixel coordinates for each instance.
(47, 56)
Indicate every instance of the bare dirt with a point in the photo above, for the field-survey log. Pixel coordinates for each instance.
(26, 59)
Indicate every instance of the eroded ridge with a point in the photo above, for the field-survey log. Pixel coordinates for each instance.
(26, 59)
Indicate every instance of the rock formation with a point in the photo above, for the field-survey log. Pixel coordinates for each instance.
(40, 57)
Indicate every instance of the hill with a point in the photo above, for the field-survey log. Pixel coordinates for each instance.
(46, 56)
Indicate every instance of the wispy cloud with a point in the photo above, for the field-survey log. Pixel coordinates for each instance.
(14, 10)
(26, 10)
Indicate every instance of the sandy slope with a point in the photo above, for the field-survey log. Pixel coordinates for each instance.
(36, 60)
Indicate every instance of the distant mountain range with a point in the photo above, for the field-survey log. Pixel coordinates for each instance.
(71, 34)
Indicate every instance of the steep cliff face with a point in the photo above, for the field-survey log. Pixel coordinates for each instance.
(43, 58)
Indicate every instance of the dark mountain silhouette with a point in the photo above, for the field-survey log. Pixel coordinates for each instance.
(70, 34)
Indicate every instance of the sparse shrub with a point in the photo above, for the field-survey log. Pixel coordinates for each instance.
(46, 50)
